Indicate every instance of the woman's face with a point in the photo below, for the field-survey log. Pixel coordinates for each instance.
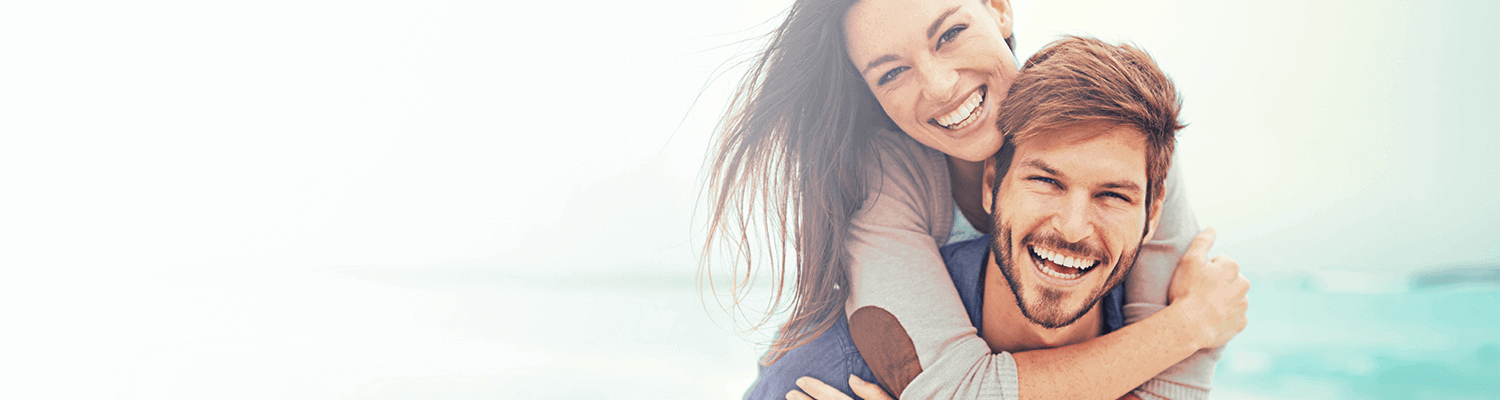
(938, 67)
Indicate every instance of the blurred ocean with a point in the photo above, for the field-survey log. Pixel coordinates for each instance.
(1423, 343)
(470, 333)
(650, 337)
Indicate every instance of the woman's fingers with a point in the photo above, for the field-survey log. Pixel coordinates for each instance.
(1213, 290)
(1192, 269)
(818, 390)
(1198, 249)
(866, 390)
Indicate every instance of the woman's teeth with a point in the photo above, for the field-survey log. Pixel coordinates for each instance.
(1075, 266)
(965, 114)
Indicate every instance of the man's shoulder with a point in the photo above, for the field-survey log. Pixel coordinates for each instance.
(965, 259)
(831, 357)
(966, 262)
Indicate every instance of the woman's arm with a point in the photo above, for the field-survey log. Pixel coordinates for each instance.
(1060, 372)
(1146, 293)
(1210, 307)
(896, 268)
(1098, 369)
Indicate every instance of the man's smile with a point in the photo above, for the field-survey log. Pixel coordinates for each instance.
(1061, 265)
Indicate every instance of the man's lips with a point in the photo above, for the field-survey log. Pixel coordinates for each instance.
(1059, 265)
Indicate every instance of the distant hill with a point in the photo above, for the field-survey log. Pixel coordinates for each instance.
(1439, 276)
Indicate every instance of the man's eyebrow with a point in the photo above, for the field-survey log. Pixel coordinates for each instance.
(939, 22)
(1041, 165)
(1123, 185)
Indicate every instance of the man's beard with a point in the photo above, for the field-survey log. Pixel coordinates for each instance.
(1046, 309)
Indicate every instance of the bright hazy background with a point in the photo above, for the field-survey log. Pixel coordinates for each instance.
(324, 200)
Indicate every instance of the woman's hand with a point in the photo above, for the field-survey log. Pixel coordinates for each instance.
(1210, 292)
(817, 390)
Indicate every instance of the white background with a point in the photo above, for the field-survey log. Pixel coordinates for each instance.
(481, 199)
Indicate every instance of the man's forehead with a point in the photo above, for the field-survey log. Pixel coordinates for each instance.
(1080, 132)
(1102, 149)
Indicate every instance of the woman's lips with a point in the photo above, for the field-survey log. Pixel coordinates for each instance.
(965, 114)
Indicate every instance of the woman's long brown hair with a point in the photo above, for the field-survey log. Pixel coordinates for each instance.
(786, 169)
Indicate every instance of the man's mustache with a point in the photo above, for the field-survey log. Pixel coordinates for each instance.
(1054, 240)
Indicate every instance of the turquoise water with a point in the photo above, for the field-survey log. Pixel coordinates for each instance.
(371, 333)
(652, 334)
(1441, 343)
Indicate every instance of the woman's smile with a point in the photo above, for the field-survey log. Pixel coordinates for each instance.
(938, 68)
(965, 114)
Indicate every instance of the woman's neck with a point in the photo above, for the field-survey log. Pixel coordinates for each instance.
(967, 178)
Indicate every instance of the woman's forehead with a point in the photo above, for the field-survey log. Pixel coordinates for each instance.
(876, 27)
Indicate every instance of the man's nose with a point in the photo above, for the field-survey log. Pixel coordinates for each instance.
(1073, 219)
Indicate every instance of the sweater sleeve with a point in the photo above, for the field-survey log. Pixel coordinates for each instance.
(895, 267)
(1146, 293)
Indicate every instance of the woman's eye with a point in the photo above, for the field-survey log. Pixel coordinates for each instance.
(950, 34)
(889, 75)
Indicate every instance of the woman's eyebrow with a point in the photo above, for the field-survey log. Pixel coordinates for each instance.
(932, 30)
(939, 22)
(882, 60)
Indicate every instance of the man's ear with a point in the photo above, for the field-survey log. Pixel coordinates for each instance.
(988, 185)
(1155, 218)
(1004, 15)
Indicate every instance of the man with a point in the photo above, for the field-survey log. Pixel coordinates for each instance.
(1076, 190)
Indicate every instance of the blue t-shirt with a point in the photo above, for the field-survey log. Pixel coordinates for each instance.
(832, 357)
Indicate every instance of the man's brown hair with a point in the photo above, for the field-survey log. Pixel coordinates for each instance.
(1081, 80)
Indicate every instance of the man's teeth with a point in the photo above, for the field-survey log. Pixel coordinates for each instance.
(1060, 275)
(1066, 261)
(964, 114)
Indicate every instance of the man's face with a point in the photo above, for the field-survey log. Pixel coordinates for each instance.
(1071, 213)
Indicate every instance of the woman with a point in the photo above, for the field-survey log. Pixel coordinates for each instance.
(823, 141)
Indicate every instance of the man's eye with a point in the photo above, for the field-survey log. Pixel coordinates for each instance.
(950, 34)
(1116, 195)
(889, 75)
(1046, 180)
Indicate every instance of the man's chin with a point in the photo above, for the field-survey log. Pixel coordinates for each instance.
(1046, 308)
(1055, 303)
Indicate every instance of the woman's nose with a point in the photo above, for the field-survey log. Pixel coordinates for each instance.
(938, 81)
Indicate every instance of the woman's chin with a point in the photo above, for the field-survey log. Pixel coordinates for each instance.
(981, 147)
(971, 145)
(976, 142)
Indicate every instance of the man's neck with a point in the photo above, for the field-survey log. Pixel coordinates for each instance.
(1007, 329)
(967, 181)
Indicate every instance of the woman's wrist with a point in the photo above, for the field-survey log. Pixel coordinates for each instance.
(1186, 320)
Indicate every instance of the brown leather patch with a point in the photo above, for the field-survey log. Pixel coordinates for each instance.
(886, 347)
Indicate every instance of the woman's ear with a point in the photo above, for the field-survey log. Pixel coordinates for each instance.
(1004, 15)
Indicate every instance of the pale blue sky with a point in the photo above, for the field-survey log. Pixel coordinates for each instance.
(1323, 134)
